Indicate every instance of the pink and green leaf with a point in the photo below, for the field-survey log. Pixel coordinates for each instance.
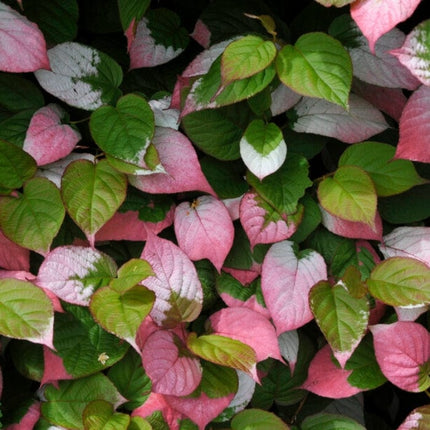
(419, 418)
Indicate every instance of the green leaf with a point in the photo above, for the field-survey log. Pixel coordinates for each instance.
(57, 19)
(27, 357)
(131, 9)
(317, 66)
(16, 167)
(122, 313)
(350, 195)
(33, 219)
(65, 405)
(82, 344)
(257, 419)
(131, 380)
(100, 415)
(218, 381)
(223, 350)
(390, 176)
(310, 221)
(366, 373)
(263, 137)
(138, 423)
(26, 312)
(283, 189)
(341, 317)
(92, 193)
(401, 281)
(124, 131)
(14, 128)
(325, 421)
(130, 274)
(246, 57)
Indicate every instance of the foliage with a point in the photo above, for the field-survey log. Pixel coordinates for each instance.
(214, 214)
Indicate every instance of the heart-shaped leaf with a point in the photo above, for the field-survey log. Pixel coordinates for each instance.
(100, 414)
(27, 312)
(33, 218)
(92, 193)
(81, 76)
(350, 195)
(258, 420)
(317, 66)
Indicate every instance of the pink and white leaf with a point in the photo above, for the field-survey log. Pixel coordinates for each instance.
(236, 322)
(13, 256)
(29, 420)
(286, 280)
(128, 226)
(164, 114)
(381, 67)
(414, 54)
(283, 98)
(54, 369)
(73, 273)
(412, 242)
(157, 402)
(47, 139)
(376, 17)
(351, 229)
(202, 410)
(410, 313)
(400, 349)
(414, 127)
(233, 206)
(178, 292)
(259, 229)
(326, 379)
(204, 229)
(170, 371)
(179, 159)
(22, 44)
(289, 347)
(319, 116)
(388, 100)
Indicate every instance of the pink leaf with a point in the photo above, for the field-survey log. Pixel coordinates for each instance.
(326, 379)
(201, 34)
(244, 276)
(377, 17)
(283, 98)
(29, 420)
(130, 33)
(179, 159)
(286, 279)
(202, 410)
(145, 330)
(157, 402)
(412, 242)
(47, 139)
(389, 100)
(233, 206)
(251, 303)
(171, 370)
(259, 225)
(179, 294)
(236, 322)
(414, 127)
(22, 45)
(204, 229)
(13, 256)
(54, 369)
(400, 349)
(351, 229)
(128, 226)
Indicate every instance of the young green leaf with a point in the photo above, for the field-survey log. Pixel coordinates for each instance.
(27, 312)
(324, 421)
(341, 317)
(130, 274)
(401, 281)
(92, 193)
(350, 195)
(257, 419)
(100, 414)
(33, 218)
(317, 66)
(246, 57)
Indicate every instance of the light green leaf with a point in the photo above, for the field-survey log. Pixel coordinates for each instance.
(286, 186)
(65, 405)
(92, 193)
(325, 421)
(317, 66)
(16, 167)
(350, 195)
(34, 218)
(336, 3)
(131, 9)
(100, 415)
(26, 312)
(138, 423)
(124, 131)
(401, 281)
(257, 419)
(122, 313)
(224, 351)
(246, 57)
(390, 176)
(130, 274)
(341, 317)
